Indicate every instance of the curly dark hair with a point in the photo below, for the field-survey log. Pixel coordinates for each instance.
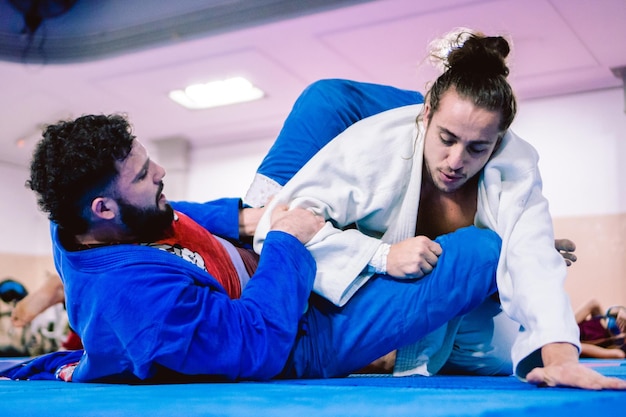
(74, 163)
(477, 70)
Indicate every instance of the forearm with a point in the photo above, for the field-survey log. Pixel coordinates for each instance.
(591, 308)
(220, 217)
(49, 294)
(342, 258)
(269, 319)
(532, 292)
(592, 351)
(54, 287)
(248, 221)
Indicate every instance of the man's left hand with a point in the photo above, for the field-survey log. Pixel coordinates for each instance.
(566, 248)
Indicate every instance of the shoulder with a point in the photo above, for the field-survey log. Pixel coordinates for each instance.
(387, 132)
(514, 159)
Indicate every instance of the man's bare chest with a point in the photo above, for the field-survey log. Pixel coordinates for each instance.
(441, 214)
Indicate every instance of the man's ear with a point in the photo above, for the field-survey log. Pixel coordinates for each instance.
(426, 115)
(104, 208)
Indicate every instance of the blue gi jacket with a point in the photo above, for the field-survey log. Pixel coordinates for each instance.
(143, 313)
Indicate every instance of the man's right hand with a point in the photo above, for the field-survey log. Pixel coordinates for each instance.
(301, 223)
(413, 257)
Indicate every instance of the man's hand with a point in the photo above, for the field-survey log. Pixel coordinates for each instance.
(413, 257)
(565, 248)
(301, 223)
(562, 369)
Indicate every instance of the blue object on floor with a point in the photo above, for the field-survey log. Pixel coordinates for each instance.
(353, 396)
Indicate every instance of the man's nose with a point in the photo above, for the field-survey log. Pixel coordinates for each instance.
(159, 173)
(456, 158)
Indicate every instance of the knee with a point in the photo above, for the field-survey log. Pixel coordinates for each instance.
(482, 245)
(472, 253)
(327, 86)
(487, 242)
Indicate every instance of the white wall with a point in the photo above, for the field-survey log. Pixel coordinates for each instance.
(581, 140)
(224, 171)
(23, 228)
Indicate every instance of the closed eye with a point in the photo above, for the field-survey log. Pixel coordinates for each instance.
(477, 150)
(447, 142)
(143, 173)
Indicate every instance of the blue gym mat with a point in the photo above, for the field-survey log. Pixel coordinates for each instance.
(345, 397)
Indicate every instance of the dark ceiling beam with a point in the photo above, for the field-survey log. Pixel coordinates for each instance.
(217, 17)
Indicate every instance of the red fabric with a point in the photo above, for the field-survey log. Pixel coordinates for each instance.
(196, 244)
(72, 342)
(65, 372)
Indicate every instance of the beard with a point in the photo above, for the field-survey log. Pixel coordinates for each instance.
(147, 225)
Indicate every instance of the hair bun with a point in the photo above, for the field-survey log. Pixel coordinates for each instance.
(471, 52)
(481, 55)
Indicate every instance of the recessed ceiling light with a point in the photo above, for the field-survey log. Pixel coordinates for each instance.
(217, 93)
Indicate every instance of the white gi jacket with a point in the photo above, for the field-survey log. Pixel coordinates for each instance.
(370, 175)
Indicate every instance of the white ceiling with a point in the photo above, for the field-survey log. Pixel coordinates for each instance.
(559, 47)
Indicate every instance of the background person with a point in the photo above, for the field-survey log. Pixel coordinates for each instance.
(602, 331)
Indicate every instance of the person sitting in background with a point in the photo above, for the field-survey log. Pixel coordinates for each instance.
(602, 334)
(44, 332)
(36, 302)
(12, 343)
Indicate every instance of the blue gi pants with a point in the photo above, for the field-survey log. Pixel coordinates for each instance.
(387, 313)
(324, 110)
